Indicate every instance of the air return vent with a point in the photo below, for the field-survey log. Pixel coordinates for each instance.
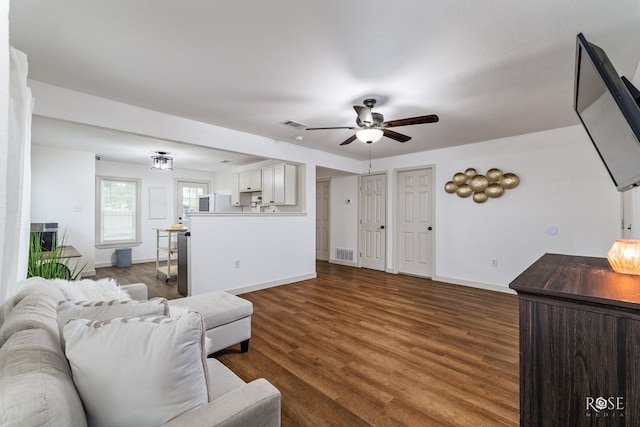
(343, 254)
(293, 124)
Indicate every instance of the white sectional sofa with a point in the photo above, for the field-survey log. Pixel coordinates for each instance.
(38, 385)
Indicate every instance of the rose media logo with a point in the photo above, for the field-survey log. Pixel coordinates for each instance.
(605, 407)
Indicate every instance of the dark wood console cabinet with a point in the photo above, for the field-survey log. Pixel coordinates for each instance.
(579, 343)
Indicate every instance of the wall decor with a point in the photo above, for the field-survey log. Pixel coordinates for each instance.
(157, 203)
(481, 188)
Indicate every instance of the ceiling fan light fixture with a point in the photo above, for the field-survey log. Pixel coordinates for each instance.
(369, 136)
(161, 161)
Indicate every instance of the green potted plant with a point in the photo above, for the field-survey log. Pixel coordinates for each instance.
(50, 264)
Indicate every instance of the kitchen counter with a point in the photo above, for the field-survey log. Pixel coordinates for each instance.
(238, 214)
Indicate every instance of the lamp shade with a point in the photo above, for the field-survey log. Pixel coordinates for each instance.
(369, 136)
(624, 256)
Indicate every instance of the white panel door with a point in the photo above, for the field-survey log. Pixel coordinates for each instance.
(373, 235)
(322, 220)
(186, 198)
(415, 223)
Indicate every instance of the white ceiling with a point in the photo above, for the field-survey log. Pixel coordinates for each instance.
(489, 69)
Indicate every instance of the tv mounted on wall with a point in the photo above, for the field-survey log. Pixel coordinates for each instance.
(609, 107)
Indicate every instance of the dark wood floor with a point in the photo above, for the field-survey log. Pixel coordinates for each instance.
(357, 347)
(142, 273)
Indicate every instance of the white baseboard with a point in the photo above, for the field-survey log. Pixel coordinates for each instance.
(272, 284)
(347, 263)
(486, 286)
(113, 264)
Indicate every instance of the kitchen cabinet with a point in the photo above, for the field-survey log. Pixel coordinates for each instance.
(249, 181)
(238, 198)
(579, 343)
(279, 185)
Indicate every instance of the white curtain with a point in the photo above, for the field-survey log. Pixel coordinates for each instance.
(16, 171)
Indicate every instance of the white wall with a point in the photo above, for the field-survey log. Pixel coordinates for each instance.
(63, 191)
(271, 249)
(343, 217)
(149, 178)
(222, 183)
(562, 184)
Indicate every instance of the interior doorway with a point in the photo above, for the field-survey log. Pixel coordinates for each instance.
(373, 234)
(415, 222)
(323, 190)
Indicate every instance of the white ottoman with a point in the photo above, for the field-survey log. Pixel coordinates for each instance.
(227, 318)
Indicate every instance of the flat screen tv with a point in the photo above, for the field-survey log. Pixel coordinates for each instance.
(609, 107)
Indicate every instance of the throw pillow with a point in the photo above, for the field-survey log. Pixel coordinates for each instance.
(181, 310)
(137, 371)
(107, 310)
(91, 290)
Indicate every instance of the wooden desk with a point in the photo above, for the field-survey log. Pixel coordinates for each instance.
(64, 252)
(579, 343)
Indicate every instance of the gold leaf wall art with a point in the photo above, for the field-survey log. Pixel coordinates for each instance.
(481, 188)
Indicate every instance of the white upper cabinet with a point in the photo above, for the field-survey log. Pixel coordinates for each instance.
(279, 185)
(250, 181)
(238, 198)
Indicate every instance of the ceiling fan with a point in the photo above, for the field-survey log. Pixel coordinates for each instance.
(372, 127)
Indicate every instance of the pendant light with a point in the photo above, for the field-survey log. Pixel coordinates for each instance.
(161, 161)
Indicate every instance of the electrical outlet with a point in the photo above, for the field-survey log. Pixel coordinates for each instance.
(494, 262)
(236, 264)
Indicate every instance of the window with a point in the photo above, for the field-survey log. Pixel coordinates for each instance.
(187, 196)
(117, 212)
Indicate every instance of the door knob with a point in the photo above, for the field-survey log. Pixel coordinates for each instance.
(381, 227)
(429, 228)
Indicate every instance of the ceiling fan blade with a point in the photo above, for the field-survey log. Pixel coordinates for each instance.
(395, 135)
(349, 140)
(364, 114)
(337, 127)
(431, 118)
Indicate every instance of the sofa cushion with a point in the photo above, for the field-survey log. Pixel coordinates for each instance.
(138, 371)
(224, 380)
(216, 308)
(36, 384)
(34, 311)
(35, 285)
(107, 310)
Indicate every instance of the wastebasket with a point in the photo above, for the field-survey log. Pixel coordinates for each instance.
(123, 257)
